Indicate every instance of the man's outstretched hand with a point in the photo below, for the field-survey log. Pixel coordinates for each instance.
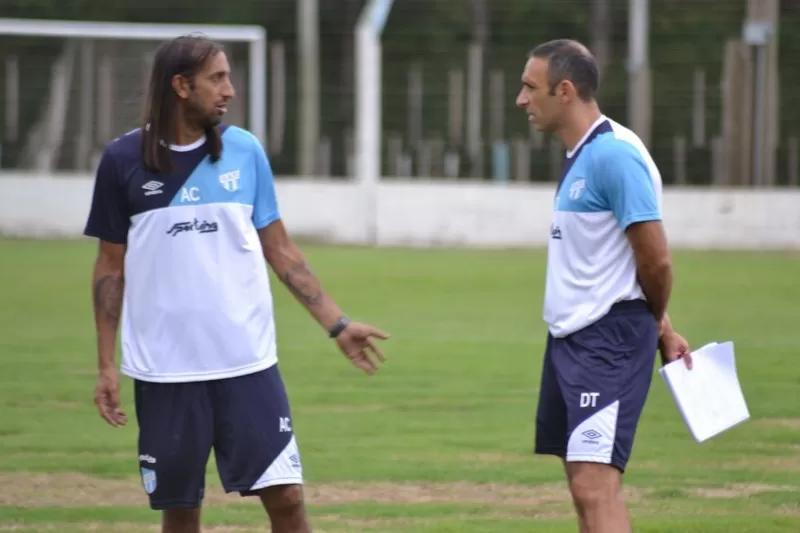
(356, 342)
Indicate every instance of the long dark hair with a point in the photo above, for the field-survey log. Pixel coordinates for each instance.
(184, 56)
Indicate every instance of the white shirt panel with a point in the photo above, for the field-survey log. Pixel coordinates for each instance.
(197, 304)
(610, 183)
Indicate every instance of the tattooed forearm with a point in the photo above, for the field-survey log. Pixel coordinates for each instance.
(108, 292)
(303, 283)
(289, 264)
(108, 284)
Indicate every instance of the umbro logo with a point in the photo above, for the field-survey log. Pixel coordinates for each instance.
(295, 461)
(152, 187)
(591, 434)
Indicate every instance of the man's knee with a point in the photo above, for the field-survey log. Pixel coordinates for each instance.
(283, 499)
(594, 485)
(180, 520)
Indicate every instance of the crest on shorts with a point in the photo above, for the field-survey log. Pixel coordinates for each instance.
(149, 480)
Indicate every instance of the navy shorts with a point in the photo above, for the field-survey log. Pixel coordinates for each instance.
(245, 420)
(594, 386)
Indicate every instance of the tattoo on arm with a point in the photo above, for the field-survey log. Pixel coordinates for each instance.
(108, 292)
(303, 283)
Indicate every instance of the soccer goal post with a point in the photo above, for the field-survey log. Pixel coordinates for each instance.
(368, 62)
(368, 119)
(255, 37)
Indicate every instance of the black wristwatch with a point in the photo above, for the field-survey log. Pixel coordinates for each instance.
(338, 327)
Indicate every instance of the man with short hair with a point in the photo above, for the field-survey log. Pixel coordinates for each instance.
(609, 279)
(185, 212)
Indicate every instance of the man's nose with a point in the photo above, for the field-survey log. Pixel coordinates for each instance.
(228, 91)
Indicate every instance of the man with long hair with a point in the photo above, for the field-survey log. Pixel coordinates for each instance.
(609, 280)
(185, 212)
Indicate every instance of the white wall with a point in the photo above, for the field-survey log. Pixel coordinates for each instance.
(418, 213)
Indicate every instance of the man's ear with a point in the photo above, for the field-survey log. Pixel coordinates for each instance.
(566, 91)
(181, 86)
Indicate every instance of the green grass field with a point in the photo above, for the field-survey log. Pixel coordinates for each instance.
(441, 439)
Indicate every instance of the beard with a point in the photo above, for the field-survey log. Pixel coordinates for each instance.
(200, 118)
(211, 121)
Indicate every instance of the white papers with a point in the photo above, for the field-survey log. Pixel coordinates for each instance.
(709, 397)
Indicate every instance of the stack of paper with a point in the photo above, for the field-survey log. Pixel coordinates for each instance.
(709, 396)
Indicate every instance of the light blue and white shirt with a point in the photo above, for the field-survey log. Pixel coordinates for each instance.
(197, 303)
(609, 182)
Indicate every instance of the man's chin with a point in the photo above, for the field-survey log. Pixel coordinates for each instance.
(543, 128)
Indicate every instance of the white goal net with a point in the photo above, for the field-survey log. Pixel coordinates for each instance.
(70, 87)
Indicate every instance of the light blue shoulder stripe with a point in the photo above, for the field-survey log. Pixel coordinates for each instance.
(231, 179)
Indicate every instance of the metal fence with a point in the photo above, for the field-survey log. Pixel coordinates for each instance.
(450, 78)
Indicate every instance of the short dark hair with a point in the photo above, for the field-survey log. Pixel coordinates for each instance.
(185, 56)
(572, 61)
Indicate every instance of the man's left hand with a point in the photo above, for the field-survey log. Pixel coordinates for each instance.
(673, 346)
(356, 343)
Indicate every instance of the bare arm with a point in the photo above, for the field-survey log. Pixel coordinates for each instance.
(653, 265)
(107, 289)
(289, 264)
(666, 325)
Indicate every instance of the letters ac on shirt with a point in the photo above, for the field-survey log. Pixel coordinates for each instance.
(124, 189)
(197, 297)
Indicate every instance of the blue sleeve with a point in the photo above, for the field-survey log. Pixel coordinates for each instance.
(265, 206)
(108, 217)
(625, 184)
